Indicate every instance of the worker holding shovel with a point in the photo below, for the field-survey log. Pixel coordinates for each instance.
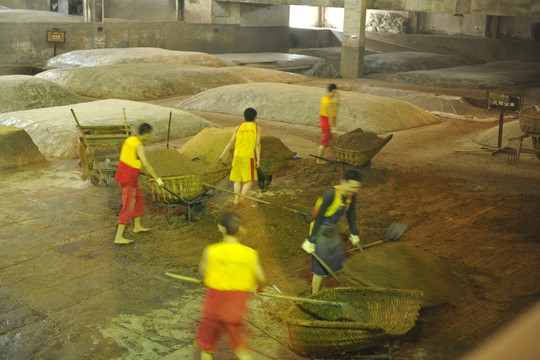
(231, 271)
(247, 154)
(132, 160)
(324, 239)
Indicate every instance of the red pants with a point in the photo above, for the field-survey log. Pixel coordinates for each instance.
(133, 203)
(133, 200)
(222, 312)
(325, 128)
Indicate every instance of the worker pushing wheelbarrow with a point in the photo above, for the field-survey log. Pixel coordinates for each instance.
(355, 148)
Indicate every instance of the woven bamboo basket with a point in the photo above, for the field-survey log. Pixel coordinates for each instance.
(387, 314)
(188, 187)
(270, 166)
(529, 120)
(356, 157)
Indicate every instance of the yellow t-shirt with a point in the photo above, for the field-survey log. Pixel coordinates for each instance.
(325, 100)
(128, 154)
(231, 266)
(246, 139)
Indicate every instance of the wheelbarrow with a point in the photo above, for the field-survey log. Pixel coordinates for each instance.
(355, 158)
(267, 169)
(185, 190)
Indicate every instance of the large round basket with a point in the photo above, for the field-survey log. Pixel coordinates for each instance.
(529, 120)
(270, 166)
(188, 187)
(387, 314)
(356, 157)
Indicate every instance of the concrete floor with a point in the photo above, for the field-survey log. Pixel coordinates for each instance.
(59, 267)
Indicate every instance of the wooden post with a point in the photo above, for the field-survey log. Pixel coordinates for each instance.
(501, 121)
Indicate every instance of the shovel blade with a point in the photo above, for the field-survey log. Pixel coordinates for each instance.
(395, 231)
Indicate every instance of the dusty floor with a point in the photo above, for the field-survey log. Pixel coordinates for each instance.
(69, 293)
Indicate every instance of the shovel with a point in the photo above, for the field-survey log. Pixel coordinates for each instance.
(393, 233)
(346, 307)
(306, 216)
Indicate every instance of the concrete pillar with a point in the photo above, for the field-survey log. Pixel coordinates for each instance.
(354, 38)
(93, 11)
(63, 7)
(491, 26)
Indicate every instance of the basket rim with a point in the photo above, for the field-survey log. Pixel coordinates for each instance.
(356, 325)
(175, 177)
(379, 145)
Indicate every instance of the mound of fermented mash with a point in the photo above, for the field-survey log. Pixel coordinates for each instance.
(358, 140)
(54, 130)
(268, 75)
(168, 162)
(111, 56)
(206, 146)
(25, 92)
(490, 137)
(17, 148)
(398, 266)
(272, 148)
(141, 81)
(299, 104)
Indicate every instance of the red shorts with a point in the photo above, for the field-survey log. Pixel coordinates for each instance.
(325, 128)
(223, 312)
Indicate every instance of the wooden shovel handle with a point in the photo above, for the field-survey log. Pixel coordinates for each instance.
(277, 296)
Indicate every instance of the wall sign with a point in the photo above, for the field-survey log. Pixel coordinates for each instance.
(56, 36)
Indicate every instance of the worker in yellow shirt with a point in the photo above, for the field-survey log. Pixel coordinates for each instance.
(327, 120)
(231, 272)
(132, 160)
(247, 154)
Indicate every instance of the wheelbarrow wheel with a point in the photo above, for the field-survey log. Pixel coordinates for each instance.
(197, 211)
(264, 181)
(94, 179)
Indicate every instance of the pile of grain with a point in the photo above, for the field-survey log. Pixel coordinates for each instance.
(205, 147)
(272, 148)
(168, 162)
(398, 266)
(357, 140)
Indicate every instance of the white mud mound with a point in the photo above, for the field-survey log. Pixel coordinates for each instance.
(31, 16)
(408, 61)
(268, 75)
(100, 57)
(17, 148)
(25, 92)
(54, 129)
(435, 103)
(490, 137)
(297, 104)
(141, 81)
(276, 61)
(388, 62)
(490, 75)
